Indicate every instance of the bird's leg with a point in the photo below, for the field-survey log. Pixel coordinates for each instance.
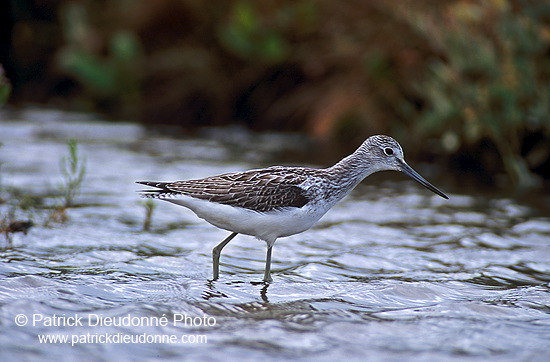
(216, 252)
(267, 274)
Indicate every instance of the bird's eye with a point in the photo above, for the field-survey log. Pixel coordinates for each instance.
(388, 151)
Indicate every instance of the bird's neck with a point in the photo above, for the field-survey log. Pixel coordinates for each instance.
(356, 166)
(350, 171)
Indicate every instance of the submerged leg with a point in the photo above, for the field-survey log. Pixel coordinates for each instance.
(216, 252)
(267, 274)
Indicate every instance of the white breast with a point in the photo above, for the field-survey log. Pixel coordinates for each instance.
(267, 226)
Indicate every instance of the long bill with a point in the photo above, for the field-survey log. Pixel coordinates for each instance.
(408, 170)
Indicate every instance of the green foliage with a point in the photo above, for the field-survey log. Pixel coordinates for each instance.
(149, 205)
(113, 75)
(492, 82)
(5, 87)
(73, 168)
(465, 72)
(22, 208)
(250, 36)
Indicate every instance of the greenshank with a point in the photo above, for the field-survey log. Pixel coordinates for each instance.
(280, 201)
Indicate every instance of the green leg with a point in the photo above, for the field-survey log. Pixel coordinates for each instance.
(267, 274)
(216, 252)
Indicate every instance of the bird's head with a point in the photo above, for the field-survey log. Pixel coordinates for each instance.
(385, 153)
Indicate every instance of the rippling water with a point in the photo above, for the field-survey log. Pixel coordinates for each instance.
(391, 273)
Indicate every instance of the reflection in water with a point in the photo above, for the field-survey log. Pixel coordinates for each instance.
(263, 293)
(387, 274)
(212, 293)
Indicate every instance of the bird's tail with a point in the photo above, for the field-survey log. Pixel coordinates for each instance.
(161, 189)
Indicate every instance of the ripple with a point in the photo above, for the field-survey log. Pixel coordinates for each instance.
(389, 274)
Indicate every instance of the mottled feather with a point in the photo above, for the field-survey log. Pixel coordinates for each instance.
(264, 190)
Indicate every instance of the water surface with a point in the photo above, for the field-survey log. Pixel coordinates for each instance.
(391, 273)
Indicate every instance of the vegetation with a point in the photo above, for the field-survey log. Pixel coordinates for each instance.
(112, 79)
(469, 77)
(5, 87)
(73, 169)
(21, 208)
(493, 83)
(149, 205)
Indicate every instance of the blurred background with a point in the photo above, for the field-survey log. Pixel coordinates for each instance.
(461, 83)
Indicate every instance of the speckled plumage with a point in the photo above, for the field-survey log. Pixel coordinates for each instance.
(280, 201)
(263, 190)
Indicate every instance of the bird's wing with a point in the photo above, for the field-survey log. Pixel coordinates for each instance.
(259, 190)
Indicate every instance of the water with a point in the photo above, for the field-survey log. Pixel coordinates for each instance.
(391, 273)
